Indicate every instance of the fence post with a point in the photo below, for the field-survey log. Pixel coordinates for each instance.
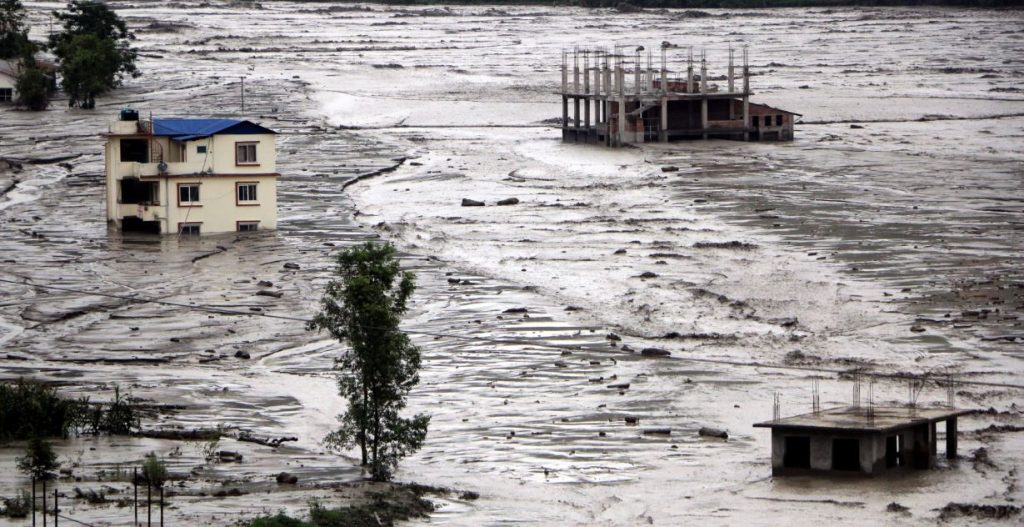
(135, 484)
(149, 504)
(161, 506)
(44, 501)
(55, 510)
(33, 501)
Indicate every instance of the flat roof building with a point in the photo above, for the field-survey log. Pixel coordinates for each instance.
(858, 440)
(190, 176)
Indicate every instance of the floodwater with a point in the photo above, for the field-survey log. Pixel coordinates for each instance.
(845, 240)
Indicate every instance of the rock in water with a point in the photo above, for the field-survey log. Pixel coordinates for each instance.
(655, 352)
(466, 202)
(287, 479)
(291, 265)
(712, 432)
(509, 201)
(241, 354)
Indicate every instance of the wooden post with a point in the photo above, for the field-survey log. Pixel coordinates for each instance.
(33, 502)
(951, 438)
(161, 506)
(44, 502)
(55, 510)
(135, 484)
(149, 505)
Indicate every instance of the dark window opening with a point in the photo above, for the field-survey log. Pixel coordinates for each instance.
(134, 150)
(845, 454)
(893, 451)
(247, 192)
(201, 149)
(756, 121)
(188, 229)
(142, 192)
(778, 120)
(798, 452)
(188, 194)
(135, 224)
(6, 94)
(248, 226)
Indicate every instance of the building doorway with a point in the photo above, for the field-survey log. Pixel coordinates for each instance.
(797, 453)
(845, 454)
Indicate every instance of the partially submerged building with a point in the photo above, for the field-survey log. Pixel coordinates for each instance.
(190, 176)
(9, 72)
(859, 440)
(607, 107)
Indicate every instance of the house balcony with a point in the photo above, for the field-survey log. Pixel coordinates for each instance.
(144, 211)
(134, 169)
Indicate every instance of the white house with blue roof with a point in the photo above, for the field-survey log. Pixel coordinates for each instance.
(190, 176)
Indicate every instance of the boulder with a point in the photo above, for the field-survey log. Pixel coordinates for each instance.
(242, 354)
(291, 265)
(648, 274)
(657, 431)
(466, 202)
(632, 419)
(712, 432)
(287, 479)
(670, 169)
(516, 310)
(265, 283)
(655, 352)
(229, 456)
(509, 201)
(275, 294)
(612, 336)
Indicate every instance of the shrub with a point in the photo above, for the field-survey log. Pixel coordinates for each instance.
(278, 520)
(29, 409)
(39, 461)
(19, 506)
(154, 471)
(33, 89)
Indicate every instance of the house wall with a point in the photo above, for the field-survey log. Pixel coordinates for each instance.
(872, 451)
(218, 209)
(8, 81)
(224, 154)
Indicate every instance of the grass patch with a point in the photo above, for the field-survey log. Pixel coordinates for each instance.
(377, 509)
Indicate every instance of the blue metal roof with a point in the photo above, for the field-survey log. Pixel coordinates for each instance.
(190, 129)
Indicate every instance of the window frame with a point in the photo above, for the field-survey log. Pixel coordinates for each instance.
(189, 224)
(254, 223)
(255, 156)
(201, 150)
(246, 203)
(778, 120)
(6, 94)
(198, 202)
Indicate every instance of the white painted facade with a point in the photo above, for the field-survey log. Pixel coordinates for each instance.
(198, 186)
(8, 81)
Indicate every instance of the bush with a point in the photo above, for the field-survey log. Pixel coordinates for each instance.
(19, 506)
(33, 88)
(278, 520)
(29, 409)
(39, 461)
(154, 471)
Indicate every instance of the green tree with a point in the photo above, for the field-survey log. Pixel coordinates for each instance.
(33, 89)
(154, 470)
(363, 307)
(13, 31)
(93, 50)
(39, 461)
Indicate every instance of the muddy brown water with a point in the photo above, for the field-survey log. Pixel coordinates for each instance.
(916, 215)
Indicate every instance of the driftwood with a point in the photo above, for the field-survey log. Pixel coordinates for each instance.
(210, 434)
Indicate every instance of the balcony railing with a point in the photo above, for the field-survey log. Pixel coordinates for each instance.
(133, 169)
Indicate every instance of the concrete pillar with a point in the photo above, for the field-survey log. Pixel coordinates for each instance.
(637, 82)
(586, 117)
(951, 438)
(565, 117)
(732, 81)
(746, 117)
(704, 117)
(565, 74)
(576, 72)
(622, 121)
(576, 117)
(663, 133)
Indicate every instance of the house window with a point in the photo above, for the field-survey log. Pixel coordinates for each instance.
(134, 150)
(756, 120)
(245, 154)
(189, 229)
(797, 453)
(188, 194)
(6, 94)
(200, 149)
(248, 226)
(778, 120)
(246, 193)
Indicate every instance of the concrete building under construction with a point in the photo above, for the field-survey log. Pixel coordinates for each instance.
(655, 106)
